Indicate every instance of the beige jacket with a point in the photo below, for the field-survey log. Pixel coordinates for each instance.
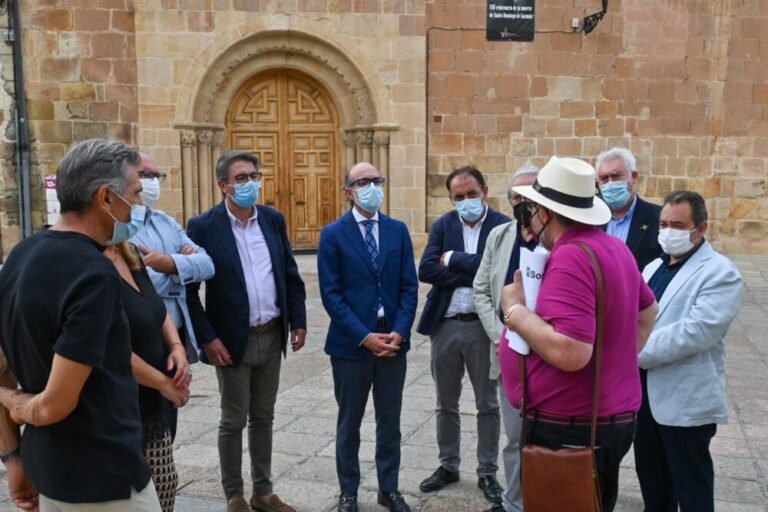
(489, 282)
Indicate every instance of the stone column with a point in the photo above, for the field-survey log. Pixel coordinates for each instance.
(349, 138)
(188, 139)
(216, 149)
(204, 138)
(364, 143)
(381, 160)
(381, 151)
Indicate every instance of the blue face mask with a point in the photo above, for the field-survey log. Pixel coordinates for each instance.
(126, 230)
(616, 194)
(246, 194)
(370, 198)
(470, 209)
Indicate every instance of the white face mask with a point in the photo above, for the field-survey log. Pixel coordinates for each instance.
(675, 242)
(150, 192)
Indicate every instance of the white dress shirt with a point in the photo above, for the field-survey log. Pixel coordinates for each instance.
(257, 269)
(463, 298)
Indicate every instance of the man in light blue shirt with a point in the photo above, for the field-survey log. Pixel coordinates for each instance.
(634, 221)
(172, 259)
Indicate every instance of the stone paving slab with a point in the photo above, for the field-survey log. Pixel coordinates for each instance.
(304, 464)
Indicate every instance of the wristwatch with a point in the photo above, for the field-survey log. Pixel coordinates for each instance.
(13, 454)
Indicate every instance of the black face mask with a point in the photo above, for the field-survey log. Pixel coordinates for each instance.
(522, 215)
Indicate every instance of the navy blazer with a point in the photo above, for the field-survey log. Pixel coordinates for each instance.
(349, 286)
(643, 236)
(447, 235)
(227, 312)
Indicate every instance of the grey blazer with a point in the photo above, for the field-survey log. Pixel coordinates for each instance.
(685, 354)
(488, 283)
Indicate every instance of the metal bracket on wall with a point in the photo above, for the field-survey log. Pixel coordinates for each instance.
(591, 21)
(9, 36)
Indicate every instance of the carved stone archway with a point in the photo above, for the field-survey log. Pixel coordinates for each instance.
(201, 121)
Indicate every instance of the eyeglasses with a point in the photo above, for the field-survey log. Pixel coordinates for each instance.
(146, 174)
(364, 182)
(245, 177)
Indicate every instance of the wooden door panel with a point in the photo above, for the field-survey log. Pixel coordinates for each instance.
(313, 183)
(290, 122)
(259, 103)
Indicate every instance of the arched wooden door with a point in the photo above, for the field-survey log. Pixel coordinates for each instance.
(290, 122)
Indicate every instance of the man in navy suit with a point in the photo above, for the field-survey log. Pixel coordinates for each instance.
(369, 288)
(633, 220)
(252, 305)
(451, 259)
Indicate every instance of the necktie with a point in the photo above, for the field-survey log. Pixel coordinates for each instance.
(370, 244)
(373, 251)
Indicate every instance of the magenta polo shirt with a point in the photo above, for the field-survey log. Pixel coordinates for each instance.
(568, 301)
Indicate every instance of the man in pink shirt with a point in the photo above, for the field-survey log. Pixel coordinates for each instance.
(561, 332)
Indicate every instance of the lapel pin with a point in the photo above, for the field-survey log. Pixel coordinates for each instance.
(644, 227)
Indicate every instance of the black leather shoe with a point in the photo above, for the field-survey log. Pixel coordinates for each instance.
(393, 501)
(347, 503)
(491, 488)
(439, 479)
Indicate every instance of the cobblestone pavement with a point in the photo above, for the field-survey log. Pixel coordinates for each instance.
(303, 460)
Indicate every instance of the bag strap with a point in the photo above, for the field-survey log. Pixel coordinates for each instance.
(599, 337)
(597, 350)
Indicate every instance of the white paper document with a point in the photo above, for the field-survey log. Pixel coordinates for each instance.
(532, 265)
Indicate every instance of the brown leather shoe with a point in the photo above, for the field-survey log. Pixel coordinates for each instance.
(238, 504)
(271, 503)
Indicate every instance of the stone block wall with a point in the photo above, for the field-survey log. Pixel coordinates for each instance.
(80, 70)
(10, 231)
(681, 83)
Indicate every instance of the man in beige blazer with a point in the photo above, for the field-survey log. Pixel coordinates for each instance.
(500, 260)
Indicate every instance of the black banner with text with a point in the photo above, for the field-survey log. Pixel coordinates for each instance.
(510, 20)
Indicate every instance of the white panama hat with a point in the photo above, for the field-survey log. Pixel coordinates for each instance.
(567, 186)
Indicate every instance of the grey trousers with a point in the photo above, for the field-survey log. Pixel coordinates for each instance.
(457, 345)
(512, 499)
(248, 395)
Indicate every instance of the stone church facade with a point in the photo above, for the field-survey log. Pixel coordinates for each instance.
(312, 86)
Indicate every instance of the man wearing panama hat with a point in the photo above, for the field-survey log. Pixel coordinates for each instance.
(562, 330)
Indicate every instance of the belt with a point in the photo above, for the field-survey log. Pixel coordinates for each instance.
(623, 418)
(264, 327)
(464, 317)
(381, 323)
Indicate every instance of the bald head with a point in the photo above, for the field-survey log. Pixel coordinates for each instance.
(360, 170)
(148, 163)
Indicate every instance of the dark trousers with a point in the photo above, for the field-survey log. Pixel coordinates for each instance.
(612, 443)
(673, 464)
(352, 381)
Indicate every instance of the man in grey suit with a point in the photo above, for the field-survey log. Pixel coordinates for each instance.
(699, 293)
(497, 268)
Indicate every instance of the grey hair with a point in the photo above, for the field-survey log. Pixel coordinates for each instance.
(616, 153)
(90, 165)
(527, 169)
(228, 158)
(694, 199)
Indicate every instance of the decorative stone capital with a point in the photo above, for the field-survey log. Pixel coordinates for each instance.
(381, 138)
(365, 138)
(188, 138)
(204, 137)
(218, 139)
(349, 137)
